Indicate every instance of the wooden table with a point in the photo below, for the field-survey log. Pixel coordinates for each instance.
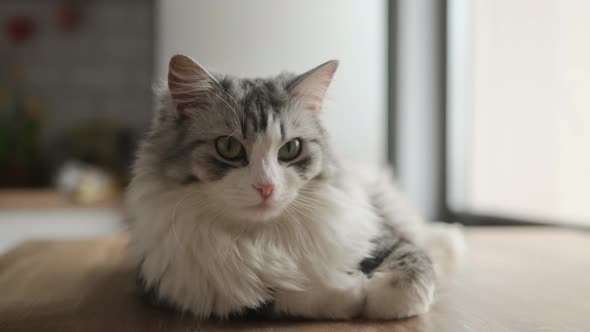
(49, 199)
(513, 279)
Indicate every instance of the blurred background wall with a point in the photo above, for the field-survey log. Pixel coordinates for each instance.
(78, 75)
(76, 90)
(481, 105)
(519, 112)
(265, 37)
(75, 95)
(75, 83)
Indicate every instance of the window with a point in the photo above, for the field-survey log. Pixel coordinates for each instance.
(518, 109)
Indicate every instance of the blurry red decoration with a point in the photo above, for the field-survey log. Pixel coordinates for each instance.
(19, 29)
(67, 16)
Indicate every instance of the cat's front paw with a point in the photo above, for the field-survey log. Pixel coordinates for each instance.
(391, 295)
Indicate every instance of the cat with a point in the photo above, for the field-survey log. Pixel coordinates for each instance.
(238, 203)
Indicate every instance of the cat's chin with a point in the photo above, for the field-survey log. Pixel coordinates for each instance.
(263, 214)
(260, 213)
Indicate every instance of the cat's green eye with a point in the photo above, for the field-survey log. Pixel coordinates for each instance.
(229, 148)
(290, 150)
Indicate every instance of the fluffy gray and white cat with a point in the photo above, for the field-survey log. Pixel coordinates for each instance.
(238, 203)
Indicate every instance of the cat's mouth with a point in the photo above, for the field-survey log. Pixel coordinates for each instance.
(262, 211)
(263, 205)
(267, 208)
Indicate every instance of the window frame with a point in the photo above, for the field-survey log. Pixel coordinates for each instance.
(438, 148)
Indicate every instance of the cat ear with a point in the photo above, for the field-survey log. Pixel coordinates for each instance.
(310, 88)
(190, 84)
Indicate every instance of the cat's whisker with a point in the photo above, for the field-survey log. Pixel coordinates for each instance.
(233, 133)
(174, 220)
(298, 230)
(238, 119)
(234, 111)
(311, 246)
(311, 199)
(311, 203)
(188, 89)
(305, 210)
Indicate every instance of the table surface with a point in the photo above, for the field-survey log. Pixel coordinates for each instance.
(512, 279)
(49, 199)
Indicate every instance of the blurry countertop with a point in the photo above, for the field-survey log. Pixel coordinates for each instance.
(511, 279)
(27, 214)
(48, 198)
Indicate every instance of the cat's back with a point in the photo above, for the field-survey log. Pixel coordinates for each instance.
(383, 191)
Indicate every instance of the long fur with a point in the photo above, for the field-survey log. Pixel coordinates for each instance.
(201, 252)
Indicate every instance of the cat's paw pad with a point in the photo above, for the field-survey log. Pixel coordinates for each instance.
(390, 296)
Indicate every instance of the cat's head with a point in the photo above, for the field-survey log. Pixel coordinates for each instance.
(253, 146)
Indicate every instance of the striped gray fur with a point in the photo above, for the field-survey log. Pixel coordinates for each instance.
(187, 157)
(182, 139)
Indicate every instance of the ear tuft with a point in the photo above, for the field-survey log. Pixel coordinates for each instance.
(310, 88)
(189, 82)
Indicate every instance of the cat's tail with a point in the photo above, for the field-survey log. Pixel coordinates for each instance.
(445, 244)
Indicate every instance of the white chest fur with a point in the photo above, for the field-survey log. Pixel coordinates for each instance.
(208, 265)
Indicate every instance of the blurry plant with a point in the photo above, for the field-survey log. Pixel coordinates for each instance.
(20, 123)
(67, 15)
(99, 143)
(94, 142)
(19, 29)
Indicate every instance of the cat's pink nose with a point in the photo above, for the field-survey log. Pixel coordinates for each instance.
(264, 189)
